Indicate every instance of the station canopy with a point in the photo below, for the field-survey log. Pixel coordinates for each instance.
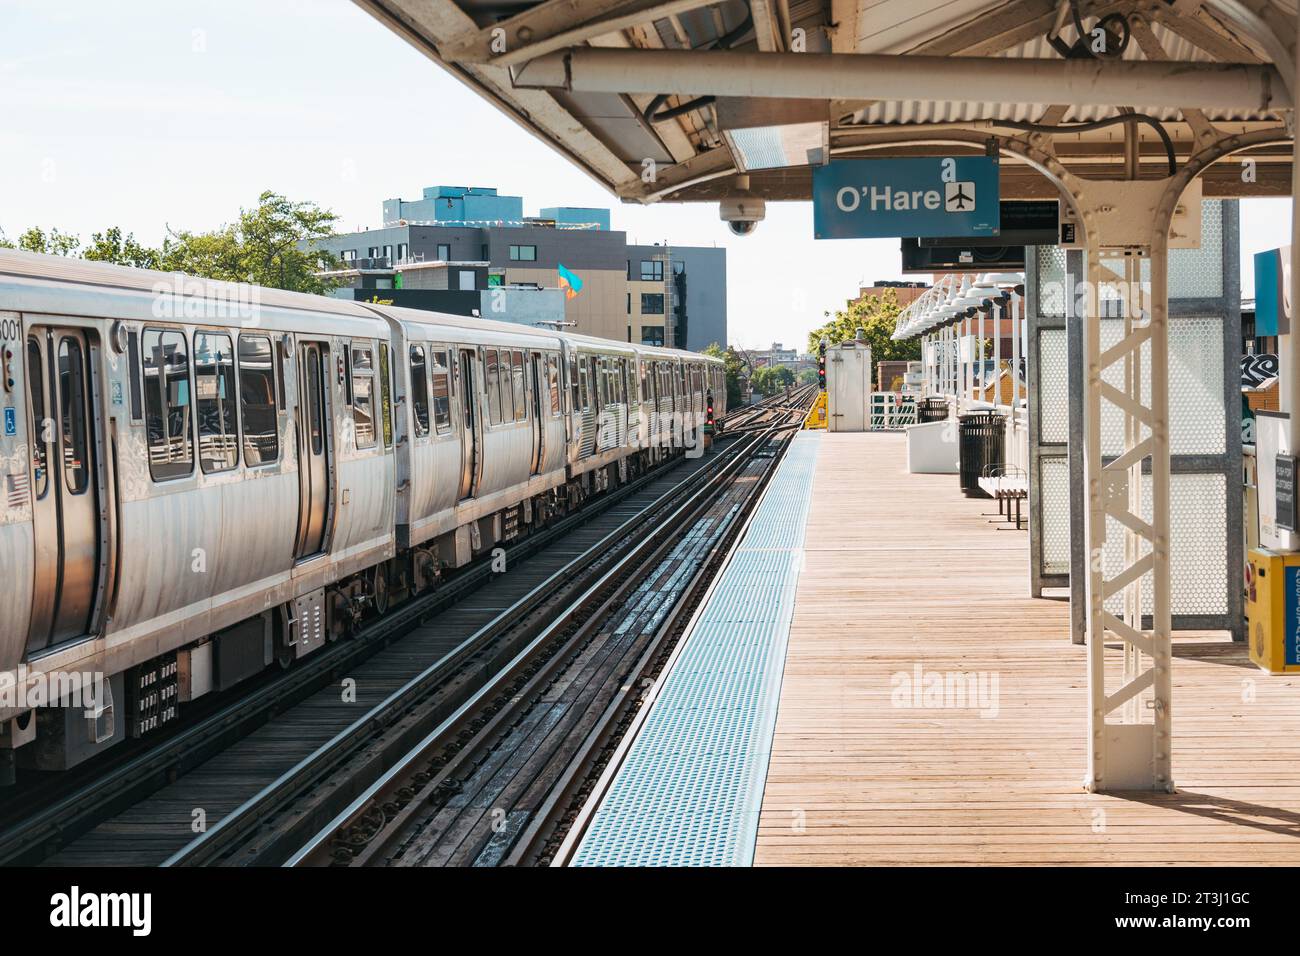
(686, 100)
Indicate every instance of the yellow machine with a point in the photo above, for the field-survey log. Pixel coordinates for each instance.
(817, 414)
(1273, 610)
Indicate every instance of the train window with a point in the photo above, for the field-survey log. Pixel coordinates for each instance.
(314, 410)
(133, 360)
(72, 406)
(419, 391)
(40, 448)
(584, 399)
(441, 392)
(574, 403)
(593, 383)
(363, 397)
(257, 400)
(214, 397)
(493, 388)
(553, 378)
(517, 382)
(167, 404)
(386, 393)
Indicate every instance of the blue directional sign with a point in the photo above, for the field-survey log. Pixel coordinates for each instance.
(11, 422)
(932, 196)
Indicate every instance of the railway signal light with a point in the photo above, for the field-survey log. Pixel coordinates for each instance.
(708, 418)
(821, 365)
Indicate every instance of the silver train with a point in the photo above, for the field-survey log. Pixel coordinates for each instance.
(202, 478)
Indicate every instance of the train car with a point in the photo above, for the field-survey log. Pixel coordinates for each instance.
(202, 478)
(482, 436)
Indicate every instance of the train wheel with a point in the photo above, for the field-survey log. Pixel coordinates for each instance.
(379, 588)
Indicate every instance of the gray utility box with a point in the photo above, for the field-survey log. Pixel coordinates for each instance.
(848, 386)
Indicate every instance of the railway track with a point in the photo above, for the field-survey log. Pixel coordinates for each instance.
(496, 781)
(253, 769)
(41, 820)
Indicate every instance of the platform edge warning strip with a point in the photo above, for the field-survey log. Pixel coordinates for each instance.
(690, 788)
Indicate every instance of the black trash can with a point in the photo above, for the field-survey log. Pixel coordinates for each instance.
(980, 437)
(931, 410)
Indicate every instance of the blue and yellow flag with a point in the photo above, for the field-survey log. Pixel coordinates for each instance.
(569, 282)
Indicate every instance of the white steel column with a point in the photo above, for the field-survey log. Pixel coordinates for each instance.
(1127, 222)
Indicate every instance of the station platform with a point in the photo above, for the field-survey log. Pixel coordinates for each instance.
(796, 730)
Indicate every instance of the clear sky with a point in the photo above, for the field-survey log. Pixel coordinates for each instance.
(157, 112)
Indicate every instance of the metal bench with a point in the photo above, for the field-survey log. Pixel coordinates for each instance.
(1007, 484)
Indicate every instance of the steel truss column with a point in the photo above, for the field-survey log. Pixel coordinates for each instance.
(1127, 222)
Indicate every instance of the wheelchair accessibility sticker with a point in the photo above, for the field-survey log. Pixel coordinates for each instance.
(11, 422)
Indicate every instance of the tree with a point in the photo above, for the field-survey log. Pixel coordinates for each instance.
(270, 245)
(111, 246)
(770, 379)
(734, 367)
(807, 376)
(877, 315)
(55, 244)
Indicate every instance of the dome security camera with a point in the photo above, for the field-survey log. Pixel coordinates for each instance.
(742, 215)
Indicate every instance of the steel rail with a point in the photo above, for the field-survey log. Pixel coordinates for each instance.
(621, 577)
(235, 826)
(64, 816)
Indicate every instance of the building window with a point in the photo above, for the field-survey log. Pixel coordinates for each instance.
(652, 303)
(214, 393)
(465, 280)
(401, 252)
(257, 400)
(484, 250)
(167, 404)
(629, 303)
(349, 255)
(678, 267)
(444, 251)
(372, 252)
(652, 270)
(652, 335)
(523, 253)
(629, 269)
(388, 254)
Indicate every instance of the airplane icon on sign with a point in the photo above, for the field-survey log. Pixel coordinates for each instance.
(959, 197)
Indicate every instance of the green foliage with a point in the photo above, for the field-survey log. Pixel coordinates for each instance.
(807, 376)
(269, 245)
(112, 246)
(876, 314)
(770, 379)
(55, 244)
(735, 368)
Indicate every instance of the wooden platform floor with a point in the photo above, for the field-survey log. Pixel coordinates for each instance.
(902, 573)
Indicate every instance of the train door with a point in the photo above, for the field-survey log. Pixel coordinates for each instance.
(65, 491)
(469, 433)
(314, 420)
(539, 421)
